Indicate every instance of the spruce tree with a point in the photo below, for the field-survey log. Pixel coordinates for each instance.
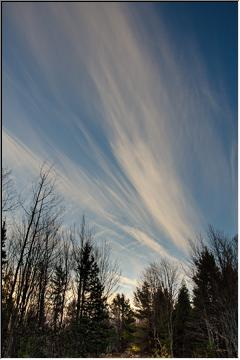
(144, 314)
(123, 320)
(90, 329)
(205, 295)
(96, 313)
(182, 315)
(58, 285)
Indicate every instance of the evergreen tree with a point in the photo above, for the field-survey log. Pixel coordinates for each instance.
(89, 329)
(226, 254)
(205, 296)
(123, 320)
(228, 302)
(182, 315)
(96, 313)
(154, 301)
(160, 322)
(143, 304)
(58, 285)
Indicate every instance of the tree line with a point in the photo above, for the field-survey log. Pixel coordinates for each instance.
(59, 289)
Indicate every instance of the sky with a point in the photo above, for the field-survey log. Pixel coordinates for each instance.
(136, 106)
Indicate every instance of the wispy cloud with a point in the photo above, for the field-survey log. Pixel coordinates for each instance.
(18, 156)
(127, 281)
(143, 127)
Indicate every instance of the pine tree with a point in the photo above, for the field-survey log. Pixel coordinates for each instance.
(228, 301)
(123, 320)
(95, 311)
(58, 285)
(205, 295)
(182, 315)
(160, 322)
(143, 304)
(89, 329)
(225, 251)
(142, 299)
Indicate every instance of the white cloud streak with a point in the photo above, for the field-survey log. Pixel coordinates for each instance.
(146, 109)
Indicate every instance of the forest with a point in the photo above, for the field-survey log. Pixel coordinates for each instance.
(60, 298)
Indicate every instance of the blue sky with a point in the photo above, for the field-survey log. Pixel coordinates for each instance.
(136, 105)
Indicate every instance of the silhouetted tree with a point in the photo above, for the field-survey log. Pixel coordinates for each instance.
(225, 251)
(123, 321)
(9, 198)
(205, 294)
(88, 332)
(35, 240)
(143, 304)
(59, 285)
(3, 245)
(182, 315)
(109, 272)
(56, 289)
(155, 304)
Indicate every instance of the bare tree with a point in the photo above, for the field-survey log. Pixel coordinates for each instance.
(9, 197)
(35, 241)
(109, 271)
(156, 297)
(168, 274)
